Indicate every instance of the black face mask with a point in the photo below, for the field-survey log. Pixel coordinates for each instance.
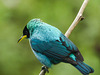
(26, 32)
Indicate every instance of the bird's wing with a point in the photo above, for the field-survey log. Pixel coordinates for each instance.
(52, 49)
(71, 47)
(57, 49)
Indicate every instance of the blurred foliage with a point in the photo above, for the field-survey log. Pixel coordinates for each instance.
(18, 59)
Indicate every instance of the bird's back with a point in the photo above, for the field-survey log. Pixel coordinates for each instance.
(46, 32)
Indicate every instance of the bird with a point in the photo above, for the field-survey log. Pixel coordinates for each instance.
(51, 46)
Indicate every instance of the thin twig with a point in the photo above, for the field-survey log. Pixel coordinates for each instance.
(77, 19)
(75, 22)
(42, 72)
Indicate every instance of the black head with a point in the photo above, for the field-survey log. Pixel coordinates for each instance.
(26, 32)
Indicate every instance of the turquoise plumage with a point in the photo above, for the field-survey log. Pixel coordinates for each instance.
(50, 46)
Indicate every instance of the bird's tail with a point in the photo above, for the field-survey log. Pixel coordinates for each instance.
(84, 68)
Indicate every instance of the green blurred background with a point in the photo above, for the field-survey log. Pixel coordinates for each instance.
(18, 59)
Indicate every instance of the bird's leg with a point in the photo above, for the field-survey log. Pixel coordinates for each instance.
(45, 69)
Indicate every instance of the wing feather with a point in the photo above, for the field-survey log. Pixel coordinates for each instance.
(56, 49)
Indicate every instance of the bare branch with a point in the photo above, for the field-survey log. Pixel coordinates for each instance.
(77, 19)
(42, 72)
(75, 22)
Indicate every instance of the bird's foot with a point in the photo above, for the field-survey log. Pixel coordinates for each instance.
(45, 69)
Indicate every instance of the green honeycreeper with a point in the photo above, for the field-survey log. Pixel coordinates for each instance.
(50, 46)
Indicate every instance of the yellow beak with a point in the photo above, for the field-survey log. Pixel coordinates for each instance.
(24, 36)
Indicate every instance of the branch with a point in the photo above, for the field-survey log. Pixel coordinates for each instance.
(77, 19)
(42, 72)
(75, 22)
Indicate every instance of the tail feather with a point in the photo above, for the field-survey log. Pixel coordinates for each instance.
(84, 68)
